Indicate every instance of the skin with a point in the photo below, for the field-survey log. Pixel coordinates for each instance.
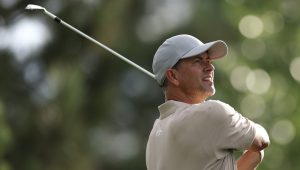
(191, 81)
(194, 88)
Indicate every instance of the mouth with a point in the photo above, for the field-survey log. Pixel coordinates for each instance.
(208, 78)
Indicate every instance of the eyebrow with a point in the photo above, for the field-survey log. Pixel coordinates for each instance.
(199, 56)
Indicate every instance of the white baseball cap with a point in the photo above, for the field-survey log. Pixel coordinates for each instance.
(183, 46)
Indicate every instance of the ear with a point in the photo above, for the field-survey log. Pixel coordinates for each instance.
(171, 75)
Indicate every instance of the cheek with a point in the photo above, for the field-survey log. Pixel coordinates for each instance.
(190, 78)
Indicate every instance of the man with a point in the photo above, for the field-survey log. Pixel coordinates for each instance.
(192, 133)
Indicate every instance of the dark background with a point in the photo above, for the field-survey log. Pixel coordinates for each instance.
(66, 104)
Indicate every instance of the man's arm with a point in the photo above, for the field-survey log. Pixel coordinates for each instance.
(250, 160)
(254, 155)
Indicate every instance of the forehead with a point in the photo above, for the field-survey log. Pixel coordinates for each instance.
(199, 56)
(191, 59)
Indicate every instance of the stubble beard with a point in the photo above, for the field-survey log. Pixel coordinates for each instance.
(208, 91)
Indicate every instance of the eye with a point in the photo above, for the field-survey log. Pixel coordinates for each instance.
(198, 60)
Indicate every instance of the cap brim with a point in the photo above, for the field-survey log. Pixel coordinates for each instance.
(216, 49)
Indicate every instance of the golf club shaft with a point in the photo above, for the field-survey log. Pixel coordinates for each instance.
(58, 20)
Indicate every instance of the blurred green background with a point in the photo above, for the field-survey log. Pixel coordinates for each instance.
(66, 104)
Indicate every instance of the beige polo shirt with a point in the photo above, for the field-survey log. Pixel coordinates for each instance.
(197, 137)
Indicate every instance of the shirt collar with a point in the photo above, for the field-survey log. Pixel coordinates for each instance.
(170, 107)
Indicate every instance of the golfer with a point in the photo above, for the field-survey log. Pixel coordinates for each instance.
(193, 133)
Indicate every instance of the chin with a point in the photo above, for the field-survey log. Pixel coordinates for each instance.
(208, 92)
(211, 91)
(211, 94)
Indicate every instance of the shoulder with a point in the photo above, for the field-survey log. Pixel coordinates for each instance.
(218, 106)
(220, 111)
(217, 103)
(211, 110)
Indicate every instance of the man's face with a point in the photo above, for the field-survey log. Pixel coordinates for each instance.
(196, 75)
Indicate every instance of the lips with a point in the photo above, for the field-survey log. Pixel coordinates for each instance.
(208, 78)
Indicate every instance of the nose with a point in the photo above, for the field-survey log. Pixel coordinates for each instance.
(209, 67)
(208, 64)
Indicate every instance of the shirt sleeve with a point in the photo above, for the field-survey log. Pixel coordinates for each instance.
(233, 131)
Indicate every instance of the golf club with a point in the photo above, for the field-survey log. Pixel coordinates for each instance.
(58, 20)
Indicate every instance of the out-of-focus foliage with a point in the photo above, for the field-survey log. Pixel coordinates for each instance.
(67, 104)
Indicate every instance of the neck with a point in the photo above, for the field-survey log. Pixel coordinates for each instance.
(191, 98)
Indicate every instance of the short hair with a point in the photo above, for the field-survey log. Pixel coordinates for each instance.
(165, 83)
